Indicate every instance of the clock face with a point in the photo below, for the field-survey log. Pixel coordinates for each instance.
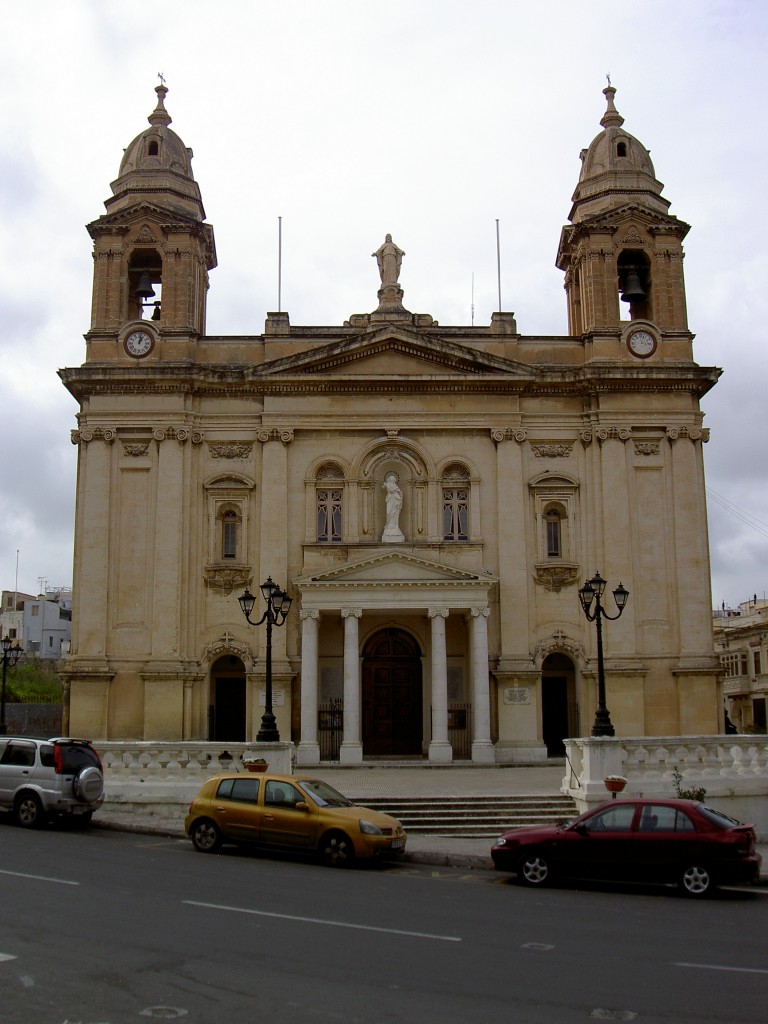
(641, 343)
(139, 343)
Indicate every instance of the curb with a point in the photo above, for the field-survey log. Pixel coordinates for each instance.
(430, 858)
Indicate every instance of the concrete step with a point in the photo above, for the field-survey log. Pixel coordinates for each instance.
(476, 817)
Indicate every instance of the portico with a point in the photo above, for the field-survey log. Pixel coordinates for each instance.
(426, 601)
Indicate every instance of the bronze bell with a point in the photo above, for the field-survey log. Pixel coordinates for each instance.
(144, 289)
(633, 288)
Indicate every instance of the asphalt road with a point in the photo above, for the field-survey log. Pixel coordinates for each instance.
(102, 927)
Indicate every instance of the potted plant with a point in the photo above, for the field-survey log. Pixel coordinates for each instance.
(255, 764)
(614, 784)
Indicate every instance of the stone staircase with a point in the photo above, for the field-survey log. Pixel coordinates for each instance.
(472, 817)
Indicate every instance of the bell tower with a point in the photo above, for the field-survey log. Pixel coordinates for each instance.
(621, 245)
(152, 249)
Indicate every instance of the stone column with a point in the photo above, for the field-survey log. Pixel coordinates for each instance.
(440, 749)
(273, 551)
(308, 751)
(168, 603)
(482, 748)
(352, 747)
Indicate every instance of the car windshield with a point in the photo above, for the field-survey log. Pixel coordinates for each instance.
(717, 817)
(323, 794)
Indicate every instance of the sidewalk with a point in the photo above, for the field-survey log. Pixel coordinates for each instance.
(159, 808)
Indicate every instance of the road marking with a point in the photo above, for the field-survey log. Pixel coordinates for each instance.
(721, 967)
(39, 878)
(6, 956)
(319, 920)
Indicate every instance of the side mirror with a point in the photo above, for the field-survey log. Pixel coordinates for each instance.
(582, 830)
(301, 805)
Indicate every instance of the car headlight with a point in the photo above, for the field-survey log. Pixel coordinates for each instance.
(369, 829)
(501, 841)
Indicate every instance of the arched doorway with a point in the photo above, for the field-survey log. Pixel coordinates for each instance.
(226, 711)
(559, 708)
(392, 698)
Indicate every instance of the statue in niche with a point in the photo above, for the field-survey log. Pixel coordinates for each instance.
(389, 258)
(394, 502)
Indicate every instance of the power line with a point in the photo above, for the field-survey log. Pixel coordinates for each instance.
(739, 513)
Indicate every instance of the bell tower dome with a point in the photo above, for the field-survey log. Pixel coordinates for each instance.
(622, 244)
(152, 248)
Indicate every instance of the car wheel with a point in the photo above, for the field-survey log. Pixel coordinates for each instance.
(28, 811)
(695, 880)
(533, 869)
(205, 836)
(336, 850)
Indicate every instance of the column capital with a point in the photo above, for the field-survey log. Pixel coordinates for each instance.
(477, 612)
(434, 613)
(309, 613)
(354, 613)
(285, 436)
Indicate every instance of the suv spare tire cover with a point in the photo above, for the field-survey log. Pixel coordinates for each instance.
(88, 784)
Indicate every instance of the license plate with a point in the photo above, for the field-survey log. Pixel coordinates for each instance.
(397, 844)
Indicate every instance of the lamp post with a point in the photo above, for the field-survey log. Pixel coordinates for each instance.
(593, 591)
(278, 606)
(11, 655)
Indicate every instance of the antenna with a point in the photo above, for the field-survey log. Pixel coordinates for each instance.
(279, 264)
(473, 298)
(608, 77)
(498, 261)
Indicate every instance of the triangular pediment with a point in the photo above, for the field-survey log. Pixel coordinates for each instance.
(393, 567)
(395, 351)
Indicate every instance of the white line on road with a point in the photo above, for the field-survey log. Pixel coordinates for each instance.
(39, 878)
(6, 956)
(721, 967)
(319, 920)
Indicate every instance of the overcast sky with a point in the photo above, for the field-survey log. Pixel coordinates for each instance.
(349, 119)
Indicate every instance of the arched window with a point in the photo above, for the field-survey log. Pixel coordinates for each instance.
(455, 503)
(329, 494)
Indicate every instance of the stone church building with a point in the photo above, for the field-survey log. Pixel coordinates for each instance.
(431, 497)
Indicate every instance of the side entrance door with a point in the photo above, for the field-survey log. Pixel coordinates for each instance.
(392, 696)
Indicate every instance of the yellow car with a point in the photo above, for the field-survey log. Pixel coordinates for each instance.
(289, 813)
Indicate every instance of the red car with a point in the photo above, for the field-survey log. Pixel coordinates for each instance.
(650, 840)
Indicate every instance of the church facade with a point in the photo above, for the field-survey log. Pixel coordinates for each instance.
(430, 497)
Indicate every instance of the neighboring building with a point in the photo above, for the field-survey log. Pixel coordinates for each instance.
(741, 640)
(431, 497)
(47, 625)
(12, 614)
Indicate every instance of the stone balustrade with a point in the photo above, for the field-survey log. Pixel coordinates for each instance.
(188, 762)
(733, 770)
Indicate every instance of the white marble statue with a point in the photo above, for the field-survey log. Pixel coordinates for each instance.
(394, 502)
(389, 258)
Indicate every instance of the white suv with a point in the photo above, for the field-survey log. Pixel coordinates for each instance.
(40, 779)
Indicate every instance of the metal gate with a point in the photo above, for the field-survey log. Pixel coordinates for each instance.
(330, 729)
(460, 730)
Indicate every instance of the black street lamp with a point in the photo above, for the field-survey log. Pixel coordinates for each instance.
(11, 655)
(593, 591)
(278, 606)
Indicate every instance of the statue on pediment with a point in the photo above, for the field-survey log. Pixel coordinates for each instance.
(389, 258)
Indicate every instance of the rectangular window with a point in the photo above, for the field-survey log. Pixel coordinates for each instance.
(229, 538)
(756, 658)
(455, 513)
(35, 609)
(553, 537)
(329, 516)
